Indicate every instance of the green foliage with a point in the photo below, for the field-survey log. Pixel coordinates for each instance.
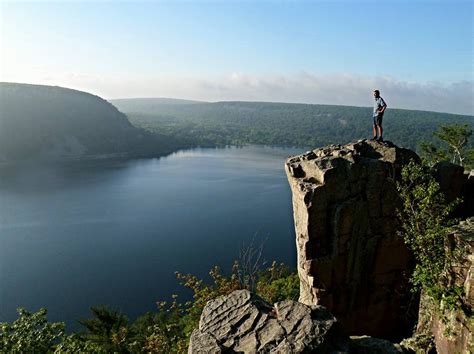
(431, 153)
(108, 329)
(425, 217)
(166, 331)
(275, 283)
(203, 292)
(31, 332)
(76, 343)
(278, 283)
(169, 330)
(420, 343)
(454, 140)
(281, 124)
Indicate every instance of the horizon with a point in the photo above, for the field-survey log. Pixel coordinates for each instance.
(213, 51)
(197, 100)
(303, 103)
(223, 101)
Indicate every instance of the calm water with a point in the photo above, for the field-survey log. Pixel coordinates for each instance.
(114, 232)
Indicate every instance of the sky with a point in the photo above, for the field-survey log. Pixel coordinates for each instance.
(420, 54)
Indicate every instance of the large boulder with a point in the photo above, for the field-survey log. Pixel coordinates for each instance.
(350, 258)
(242, 322)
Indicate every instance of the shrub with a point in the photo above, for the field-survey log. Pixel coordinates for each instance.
(166, 331)
(31, 332)
(425, 221)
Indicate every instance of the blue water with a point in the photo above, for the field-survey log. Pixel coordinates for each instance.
(114, 232)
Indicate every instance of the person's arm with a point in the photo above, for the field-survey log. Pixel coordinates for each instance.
(384, 106)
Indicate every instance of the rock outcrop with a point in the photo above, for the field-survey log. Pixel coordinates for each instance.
(350, 258)
(352, 261)
(455, 183)
(243, 322)
(453, 330)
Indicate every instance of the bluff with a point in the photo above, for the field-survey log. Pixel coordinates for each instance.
(350, 258)
(49, 122)
(352, 263)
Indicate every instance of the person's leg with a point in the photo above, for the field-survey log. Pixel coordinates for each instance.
(374, 129)
(379, 128)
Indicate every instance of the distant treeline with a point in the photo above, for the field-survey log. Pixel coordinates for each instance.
(283, 124)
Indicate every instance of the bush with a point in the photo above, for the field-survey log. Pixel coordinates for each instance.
(425, 220)
(31, 332)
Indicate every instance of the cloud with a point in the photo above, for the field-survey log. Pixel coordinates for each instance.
(303, 87)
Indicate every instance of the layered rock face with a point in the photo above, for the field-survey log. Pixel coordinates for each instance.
(242, 322)
(350, 258)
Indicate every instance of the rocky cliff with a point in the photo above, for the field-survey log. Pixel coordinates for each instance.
(350, 258)
(353, 265)
(453, 330)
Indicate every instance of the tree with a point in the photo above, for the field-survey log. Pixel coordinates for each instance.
(30, 333)
(425, 227)
(108, 329)
(456, 137)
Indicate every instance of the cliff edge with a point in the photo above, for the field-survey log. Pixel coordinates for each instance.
(350, 258)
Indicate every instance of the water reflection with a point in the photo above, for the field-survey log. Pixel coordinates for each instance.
(114, 231)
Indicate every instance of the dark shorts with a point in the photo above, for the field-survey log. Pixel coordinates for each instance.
(378, 119)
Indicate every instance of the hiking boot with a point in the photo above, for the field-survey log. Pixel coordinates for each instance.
(374, 139)
(379, 139)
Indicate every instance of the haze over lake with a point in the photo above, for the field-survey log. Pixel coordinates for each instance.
(114, 232)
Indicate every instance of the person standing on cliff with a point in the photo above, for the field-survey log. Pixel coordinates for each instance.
(379, 109)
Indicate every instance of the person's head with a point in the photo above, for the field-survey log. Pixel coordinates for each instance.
(376, 93)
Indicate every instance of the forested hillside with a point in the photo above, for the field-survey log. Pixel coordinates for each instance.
(283, 123)
(149, 105)
(54, 122)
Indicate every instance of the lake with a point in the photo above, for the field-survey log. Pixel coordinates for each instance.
(114, 232)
